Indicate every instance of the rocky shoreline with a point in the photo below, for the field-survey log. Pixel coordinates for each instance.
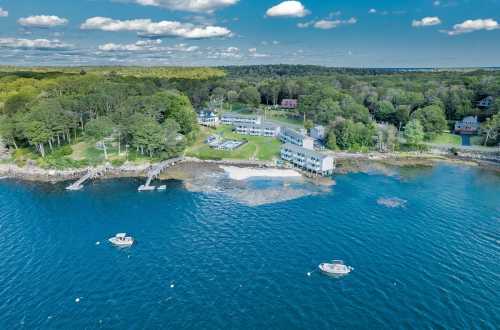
(192, 167)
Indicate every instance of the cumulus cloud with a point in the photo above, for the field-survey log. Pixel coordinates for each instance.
(3, 13)
(326, 24)
(197, 6)
(42, 21)
(288, 9)
(470, 25)
(148, 28)
(146, 46)
(39, 44)
(426, 21)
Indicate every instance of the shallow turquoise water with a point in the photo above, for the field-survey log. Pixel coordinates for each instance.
(434, 263)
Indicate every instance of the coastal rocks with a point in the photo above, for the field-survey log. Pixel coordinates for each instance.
(393, 202)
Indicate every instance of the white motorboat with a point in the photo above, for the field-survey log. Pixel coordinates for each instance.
(122, 240)
(162, 188)
(335, 268)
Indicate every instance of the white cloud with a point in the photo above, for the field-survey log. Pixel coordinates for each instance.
(3, 13)
(288, 9)
(148, 28)
(468, 26)
(325, 24)
(147, 46)
(426, 21)
(197, 6)
(42, 21)
(252, 50)
(40, 44)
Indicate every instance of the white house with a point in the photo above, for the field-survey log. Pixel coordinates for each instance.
(230, 118)
(308, 160)
(468, 125)
(291, 136)
(318, 132)
(263, 129)
(208, 118)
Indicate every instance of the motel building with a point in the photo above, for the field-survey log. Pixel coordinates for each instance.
(291, 136)
(230, 118)
(264, 129)
(308, 160)
(208, 118)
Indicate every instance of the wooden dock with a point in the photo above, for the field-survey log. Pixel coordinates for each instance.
(78, 185)
(156, 170)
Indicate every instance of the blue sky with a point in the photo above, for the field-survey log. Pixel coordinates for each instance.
(419, 33)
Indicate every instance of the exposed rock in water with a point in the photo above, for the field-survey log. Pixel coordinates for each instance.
(393, 202)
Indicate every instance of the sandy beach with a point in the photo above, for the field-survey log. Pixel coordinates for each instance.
(240, 173)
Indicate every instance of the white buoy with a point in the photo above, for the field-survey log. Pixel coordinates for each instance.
(308, 273)
(77, 300)
(172, 286)
(97, 243)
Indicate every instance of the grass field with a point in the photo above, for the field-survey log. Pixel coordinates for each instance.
(447, 138)
(256, 148)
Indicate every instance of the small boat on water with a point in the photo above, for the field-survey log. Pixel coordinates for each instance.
(335, 268)
(162, 188)
(122, 240)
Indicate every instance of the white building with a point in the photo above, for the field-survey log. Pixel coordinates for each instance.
(308, 160)
(230, 118)
(263, 129)
(208, 118)
(318, 132)
(291, 136)
(468, 125)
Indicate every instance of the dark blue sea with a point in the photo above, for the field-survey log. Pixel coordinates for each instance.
(425, 245)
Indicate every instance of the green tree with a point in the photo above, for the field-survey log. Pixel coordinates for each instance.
(414, 132)
(432, 118)
(100, 129)
(250, 95)
(490, 130)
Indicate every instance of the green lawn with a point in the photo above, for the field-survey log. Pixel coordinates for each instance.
(257, 147)
(447, 138)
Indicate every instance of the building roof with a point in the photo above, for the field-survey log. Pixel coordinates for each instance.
(307, 152)
(295, 134)
(262, 125)
(239, 115)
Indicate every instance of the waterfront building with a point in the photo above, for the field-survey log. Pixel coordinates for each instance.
(230, 118)
(291, 136)
(307, 159)
(289, 103)
(468, 125)
(208, 118)
(263, 129)
(318, 132)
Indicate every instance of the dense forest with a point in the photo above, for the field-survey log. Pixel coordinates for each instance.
(152, 110)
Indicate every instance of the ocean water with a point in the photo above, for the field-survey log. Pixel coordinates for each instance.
(425, 245)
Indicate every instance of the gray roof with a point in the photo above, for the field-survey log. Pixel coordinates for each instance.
(294, 133)
(263, 125)
(239, 115)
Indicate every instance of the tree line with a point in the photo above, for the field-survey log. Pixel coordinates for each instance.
(51, 111)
